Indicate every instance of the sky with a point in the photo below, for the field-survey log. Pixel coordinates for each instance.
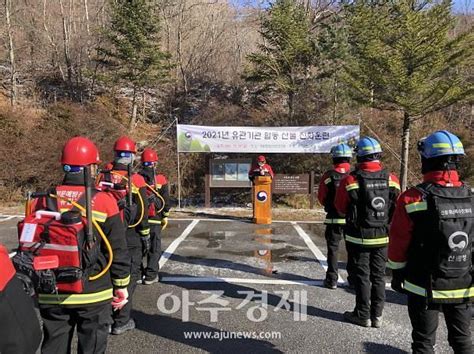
(460, 6)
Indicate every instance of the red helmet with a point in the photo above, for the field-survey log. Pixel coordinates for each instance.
(149, 155)
(124, 143)
(261, 158)
(80, 151)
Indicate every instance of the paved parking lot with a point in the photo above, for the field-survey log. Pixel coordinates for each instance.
(230, 285)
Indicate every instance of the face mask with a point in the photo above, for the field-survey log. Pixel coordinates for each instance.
(261, 163)
(124, 157)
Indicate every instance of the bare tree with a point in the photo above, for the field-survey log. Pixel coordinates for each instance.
(11, 54)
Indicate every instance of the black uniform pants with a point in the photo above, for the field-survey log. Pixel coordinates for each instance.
(153, 256)
(92, 322)
(424, 320)
(20, 330)
(121, 317)
(350, 265)
(333, 234)
(369, 282)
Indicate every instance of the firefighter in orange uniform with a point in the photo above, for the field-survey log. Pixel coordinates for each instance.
(158, 212)
(135, 204)
(341, 157)
(90, 311)
(366, 197)
(19, 326)
(430, 250)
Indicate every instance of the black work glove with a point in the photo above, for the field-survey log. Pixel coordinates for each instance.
(398, 277)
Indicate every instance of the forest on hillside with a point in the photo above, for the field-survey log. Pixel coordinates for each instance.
(104, 68)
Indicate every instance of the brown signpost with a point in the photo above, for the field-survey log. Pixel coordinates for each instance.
(295, 184)
(291, 184)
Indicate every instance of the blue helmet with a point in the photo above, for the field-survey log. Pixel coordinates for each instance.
(367, 146)
(341, 150)
(440, 143)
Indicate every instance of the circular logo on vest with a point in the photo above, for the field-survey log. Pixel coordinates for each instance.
(262, 196)
(378, 203)
(462, 240)
(262, 252)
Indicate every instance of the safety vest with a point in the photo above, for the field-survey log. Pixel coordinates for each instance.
(332, 182)
(368, 216)
(439, 260)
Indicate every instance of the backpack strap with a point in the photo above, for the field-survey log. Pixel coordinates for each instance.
(51, 203)
(107, 176)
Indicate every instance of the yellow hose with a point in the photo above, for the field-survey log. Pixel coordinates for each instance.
(99, 230)
(158, 195)
(142, 213)
(139, 198)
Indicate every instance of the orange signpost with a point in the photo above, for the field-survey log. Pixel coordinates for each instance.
(262, 200)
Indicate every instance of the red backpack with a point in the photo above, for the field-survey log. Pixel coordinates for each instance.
(49, 234)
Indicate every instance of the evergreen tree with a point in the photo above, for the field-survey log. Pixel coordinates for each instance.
(133, 55)
(404, 58)
(287, 52)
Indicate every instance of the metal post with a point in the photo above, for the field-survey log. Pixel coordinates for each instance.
(88, 192)
(207, 184)
(179, 171)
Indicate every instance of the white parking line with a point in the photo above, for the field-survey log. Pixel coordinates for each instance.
(320, 257)
(185, 279)
(172, 247)
(7, 217)
(246, 220)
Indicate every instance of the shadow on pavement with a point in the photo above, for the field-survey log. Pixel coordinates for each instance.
(390, 296)
(376, 348)
(174, 329)
(395, 298)
(220, 263)
(240, 292)
(201, 214)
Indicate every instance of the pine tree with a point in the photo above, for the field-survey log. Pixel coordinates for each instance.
(133, 55)
(404, 58)
(287, 52)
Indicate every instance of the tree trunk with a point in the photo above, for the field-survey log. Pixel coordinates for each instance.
(180, 66)
(66, 35)
(405, 150)
(144, 107)
(334, 112)
(53, 44)
(133, 119)
(11, 55)
(291, 101)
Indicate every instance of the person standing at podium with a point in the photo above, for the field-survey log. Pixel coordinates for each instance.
(261, 168)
